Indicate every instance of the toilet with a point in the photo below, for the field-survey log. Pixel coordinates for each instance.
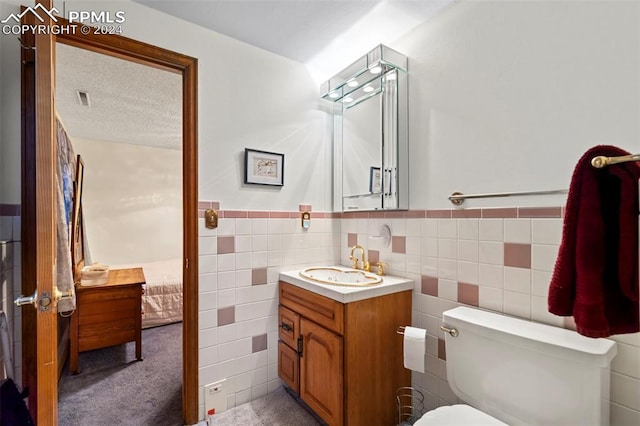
(515, 372)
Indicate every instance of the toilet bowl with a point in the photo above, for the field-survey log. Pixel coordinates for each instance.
(516, 372)
(457, 415)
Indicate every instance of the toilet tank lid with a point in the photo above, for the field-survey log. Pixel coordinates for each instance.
(555, 336)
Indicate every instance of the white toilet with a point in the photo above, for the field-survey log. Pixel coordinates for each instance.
(522, 373)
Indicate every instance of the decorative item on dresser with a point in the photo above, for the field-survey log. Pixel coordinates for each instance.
(108, 314)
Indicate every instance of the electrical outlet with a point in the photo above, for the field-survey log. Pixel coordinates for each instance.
(215, 398)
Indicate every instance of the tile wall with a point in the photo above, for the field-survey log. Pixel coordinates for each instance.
(498, 259)
(494, 259)
(239, 266)
(10, 274)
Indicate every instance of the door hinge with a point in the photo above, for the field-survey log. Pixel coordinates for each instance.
(300, 346)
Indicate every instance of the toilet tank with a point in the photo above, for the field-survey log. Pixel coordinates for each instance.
(526, 373)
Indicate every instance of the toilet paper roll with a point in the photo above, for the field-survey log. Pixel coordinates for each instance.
(414, 347)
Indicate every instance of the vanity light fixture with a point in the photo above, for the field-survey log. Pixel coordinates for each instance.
(367, 88)
(379, 62)
(347, 99)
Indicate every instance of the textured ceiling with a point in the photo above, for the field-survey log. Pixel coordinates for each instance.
(130, 103)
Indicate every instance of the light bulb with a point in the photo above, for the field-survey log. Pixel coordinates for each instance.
(352, 83)
(375, 70)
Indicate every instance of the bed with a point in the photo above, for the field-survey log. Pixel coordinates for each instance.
(162, 295)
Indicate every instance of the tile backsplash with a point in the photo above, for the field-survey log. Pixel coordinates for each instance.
(500, 259)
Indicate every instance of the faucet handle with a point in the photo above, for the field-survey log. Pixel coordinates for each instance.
(381, 266)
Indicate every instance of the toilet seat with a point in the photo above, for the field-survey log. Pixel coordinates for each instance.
(459, 414)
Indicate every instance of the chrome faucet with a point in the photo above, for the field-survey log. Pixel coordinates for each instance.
(365, 264)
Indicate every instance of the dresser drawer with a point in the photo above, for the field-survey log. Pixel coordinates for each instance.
(324, 311)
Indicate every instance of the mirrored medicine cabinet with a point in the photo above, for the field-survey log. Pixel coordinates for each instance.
(370, 132)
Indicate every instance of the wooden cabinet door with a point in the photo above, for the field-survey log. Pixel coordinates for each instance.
(321, 371)
(289, 367)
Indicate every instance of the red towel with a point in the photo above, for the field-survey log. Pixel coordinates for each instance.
(595, 278)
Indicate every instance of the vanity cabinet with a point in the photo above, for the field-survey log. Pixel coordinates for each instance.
(343, 359)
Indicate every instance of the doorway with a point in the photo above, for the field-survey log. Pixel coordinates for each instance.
(123, 119)
(185, 66)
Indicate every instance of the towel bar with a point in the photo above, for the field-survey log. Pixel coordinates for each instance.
(457, 198)
(602, 161)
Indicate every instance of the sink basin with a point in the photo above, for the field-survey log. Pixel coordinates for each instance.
(337, 276)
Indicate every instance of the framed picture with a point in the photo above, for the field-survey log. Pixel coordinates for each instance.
(263, 168)
(77, 240)
(375, 180)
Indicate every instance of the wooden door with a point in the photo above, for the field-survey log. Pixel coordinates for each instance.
(38, 242)
(39, 326)
(321, 371)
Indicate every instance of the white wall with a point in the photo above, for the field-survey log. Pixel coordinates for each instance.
(132, 201)
(506, 96)
(247, 98)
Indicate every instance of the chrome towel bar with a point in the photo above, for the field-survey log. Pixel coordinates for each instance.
(457, 198)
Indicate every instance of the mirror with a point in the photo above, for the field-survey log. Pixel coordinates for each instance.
(370, 132)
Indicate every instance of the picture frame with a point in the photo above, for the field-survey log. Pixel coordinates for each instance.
(263, 167)
(77, 237)
(375, 180)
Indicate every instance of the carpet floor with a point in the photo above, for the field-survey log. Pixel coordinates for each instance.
(115, 389)
(277, 408)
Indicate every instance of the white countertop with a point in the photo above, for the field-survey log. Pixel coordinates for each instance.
(345, 294)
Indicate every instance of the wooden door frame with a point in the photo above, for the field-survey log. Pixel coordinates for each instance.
(146, 54)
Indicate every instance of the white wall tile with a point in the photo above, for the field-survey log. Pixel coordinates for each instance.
(468, 250)
(208, 264)
(540, 282)
(546, 231)
(243, 226)
(540, 312)
(226, 262)
(623, 416)
(627, 361)
(517, 279)
(490, 298)
(468, 272)
(517, 231)
(447, 269)
(447, 228)
(491, 230)
(625, 391)
(448, 289)
(468, 229)
(447, 248)
(491, 252)
(517, 304)
(207, 245)
(491, 275)
(543, 257)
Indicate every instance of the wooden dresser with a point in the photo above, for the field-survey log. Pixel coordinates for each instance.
(107, 315)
